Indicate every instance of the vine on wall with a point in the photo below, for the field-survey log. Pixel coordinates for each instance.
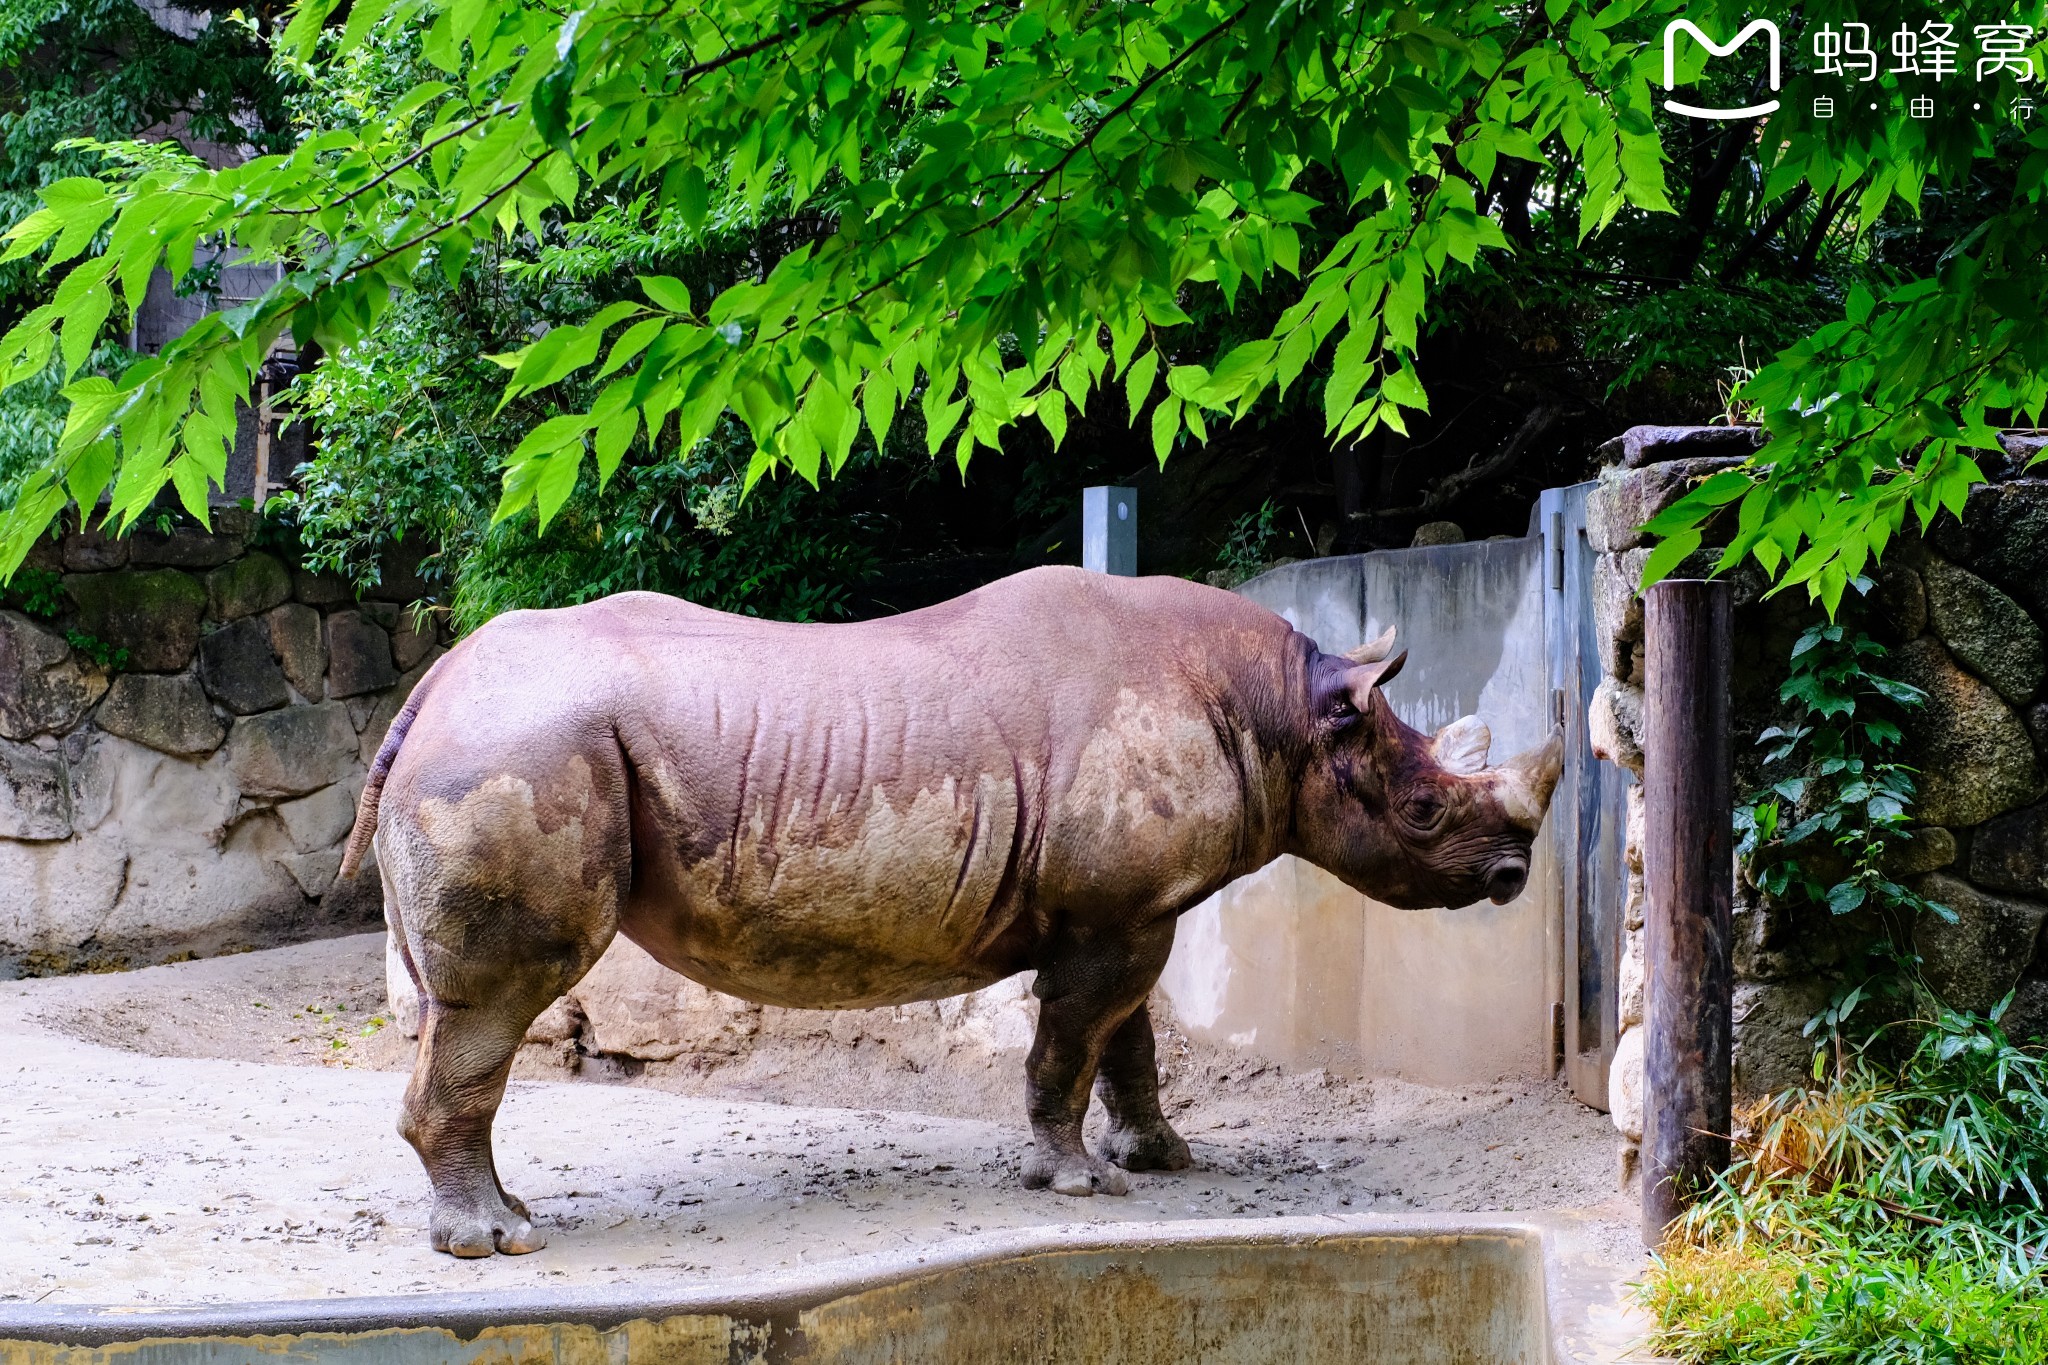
(1823, 833)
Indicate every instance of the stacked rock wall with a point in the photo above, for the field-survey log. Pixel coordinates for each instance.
(1961, 612)
(193, 797)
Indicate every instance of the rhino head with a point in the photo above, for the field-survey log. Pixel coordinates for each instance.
(1413, 820)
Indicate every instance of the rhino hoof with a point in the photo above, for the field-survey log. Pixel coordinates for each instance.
(1139, 1149)
(1073, 1173)
(471, 1235)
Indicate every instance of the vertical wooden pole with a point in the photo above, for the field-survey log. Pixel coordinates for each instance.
(1688, 865)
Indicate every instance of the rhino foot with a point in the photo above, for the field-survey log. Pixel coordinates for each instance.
(1074, 1173)
(1147, 1149)
(471, 1232)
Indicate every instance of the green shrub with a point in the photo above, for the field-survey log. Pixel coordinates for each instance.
(1891, 1214)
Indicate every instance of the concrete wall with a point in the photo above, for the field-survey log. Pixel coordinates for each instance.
(1294, 966)
(193, 797)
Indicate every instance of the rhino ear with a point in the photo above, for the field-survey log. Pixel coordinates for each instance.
(1461, 746)
(1372, 651)
(1361, 681)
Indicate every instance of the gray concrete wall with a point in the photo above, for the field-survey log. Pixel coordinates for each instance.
(1298, 968)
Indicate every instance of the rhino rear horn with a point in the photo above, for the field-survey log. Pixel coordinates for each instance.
(1372, 651)
(1461, 746)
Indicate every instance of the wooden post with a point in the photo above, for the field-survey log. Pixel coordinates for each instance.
(1689, 870)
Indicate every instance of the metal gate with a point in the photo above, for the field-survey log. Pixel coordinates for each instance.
(1590, 809)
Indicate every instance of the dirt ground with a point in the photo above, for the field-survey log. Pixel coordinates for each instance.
(223, 1129)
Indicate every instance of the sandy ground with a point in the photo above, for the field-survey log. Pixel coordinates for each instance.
(223, 1130)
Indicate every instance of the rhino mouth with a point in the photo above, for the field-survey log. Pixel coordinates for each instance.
(1506, 879)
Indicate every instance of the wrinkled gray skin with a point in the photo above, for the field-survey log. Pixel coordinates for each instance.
(1043, 774)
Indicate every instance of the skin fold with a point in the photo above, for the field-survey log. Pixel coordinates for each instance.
(1040, 775)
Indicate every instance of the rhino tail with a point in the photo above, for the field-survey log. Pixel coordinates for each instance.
(380, 767)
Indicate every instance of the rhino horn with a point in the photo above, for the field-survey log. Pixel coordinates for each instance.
(1527, 780)
(1372, 651)
(1461, 746)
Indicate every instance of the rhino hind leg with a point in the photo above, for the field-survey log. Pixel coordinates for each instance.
(1088, 989)
(1127, 1082)
(492, 946)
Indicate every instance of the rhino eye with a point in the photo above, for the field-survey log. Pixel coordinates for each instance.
(1424, 810)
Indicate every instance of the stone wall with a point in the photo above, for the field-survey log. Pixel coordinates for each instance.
(1961, 611)
(193, 798)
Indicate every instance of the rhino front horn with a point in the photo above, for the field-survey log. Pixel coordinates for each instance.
(1527, 780)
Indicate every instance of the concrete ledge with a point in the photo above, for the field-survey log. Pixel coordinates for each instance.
(1420, 1288)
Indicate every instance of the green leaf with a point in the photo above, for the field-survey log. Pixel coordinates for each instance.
(1052, 412)
(30, 233)
(1404, 388)
(614, 434)
(1668, 555)
(631, 342)
(550, 436)
(878, 405)
(82, 326)
(557, 481)
(667, 292)
(1138, 382)
(1165, 426)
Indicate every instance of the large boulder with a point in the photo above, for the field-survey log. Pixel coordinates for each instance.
(71, 888)
(294, 751)
(167, 712)
(1639, 446)
(300, 646)
(1772, 1049)
(44, 687)
(321, 589)
(1618, 611)
(254, 583)
(2011, 853)
(238, 668)
(2003, 536)
(1897, 602)
(94, 552)
(1973, 961)
(1986, 631)
(1626, 498)
(187, 547)
(1614, 724)
(2026, 1019)
(1926, 848)
(318, 822)
(1974, 755)
(1625, 1085)
(358, 655)
(153, 614)
(411, 637)
(35, 793)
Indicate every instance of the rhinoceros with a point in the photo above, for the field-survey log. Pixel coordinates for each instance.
(1040, 775)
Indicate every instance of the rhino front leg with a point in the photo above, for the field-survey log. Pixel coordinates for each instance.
(1139, 1137)
(1088, 988)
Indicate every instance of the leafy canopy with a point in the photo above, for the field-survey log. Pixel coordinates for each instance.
(1003, 208)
